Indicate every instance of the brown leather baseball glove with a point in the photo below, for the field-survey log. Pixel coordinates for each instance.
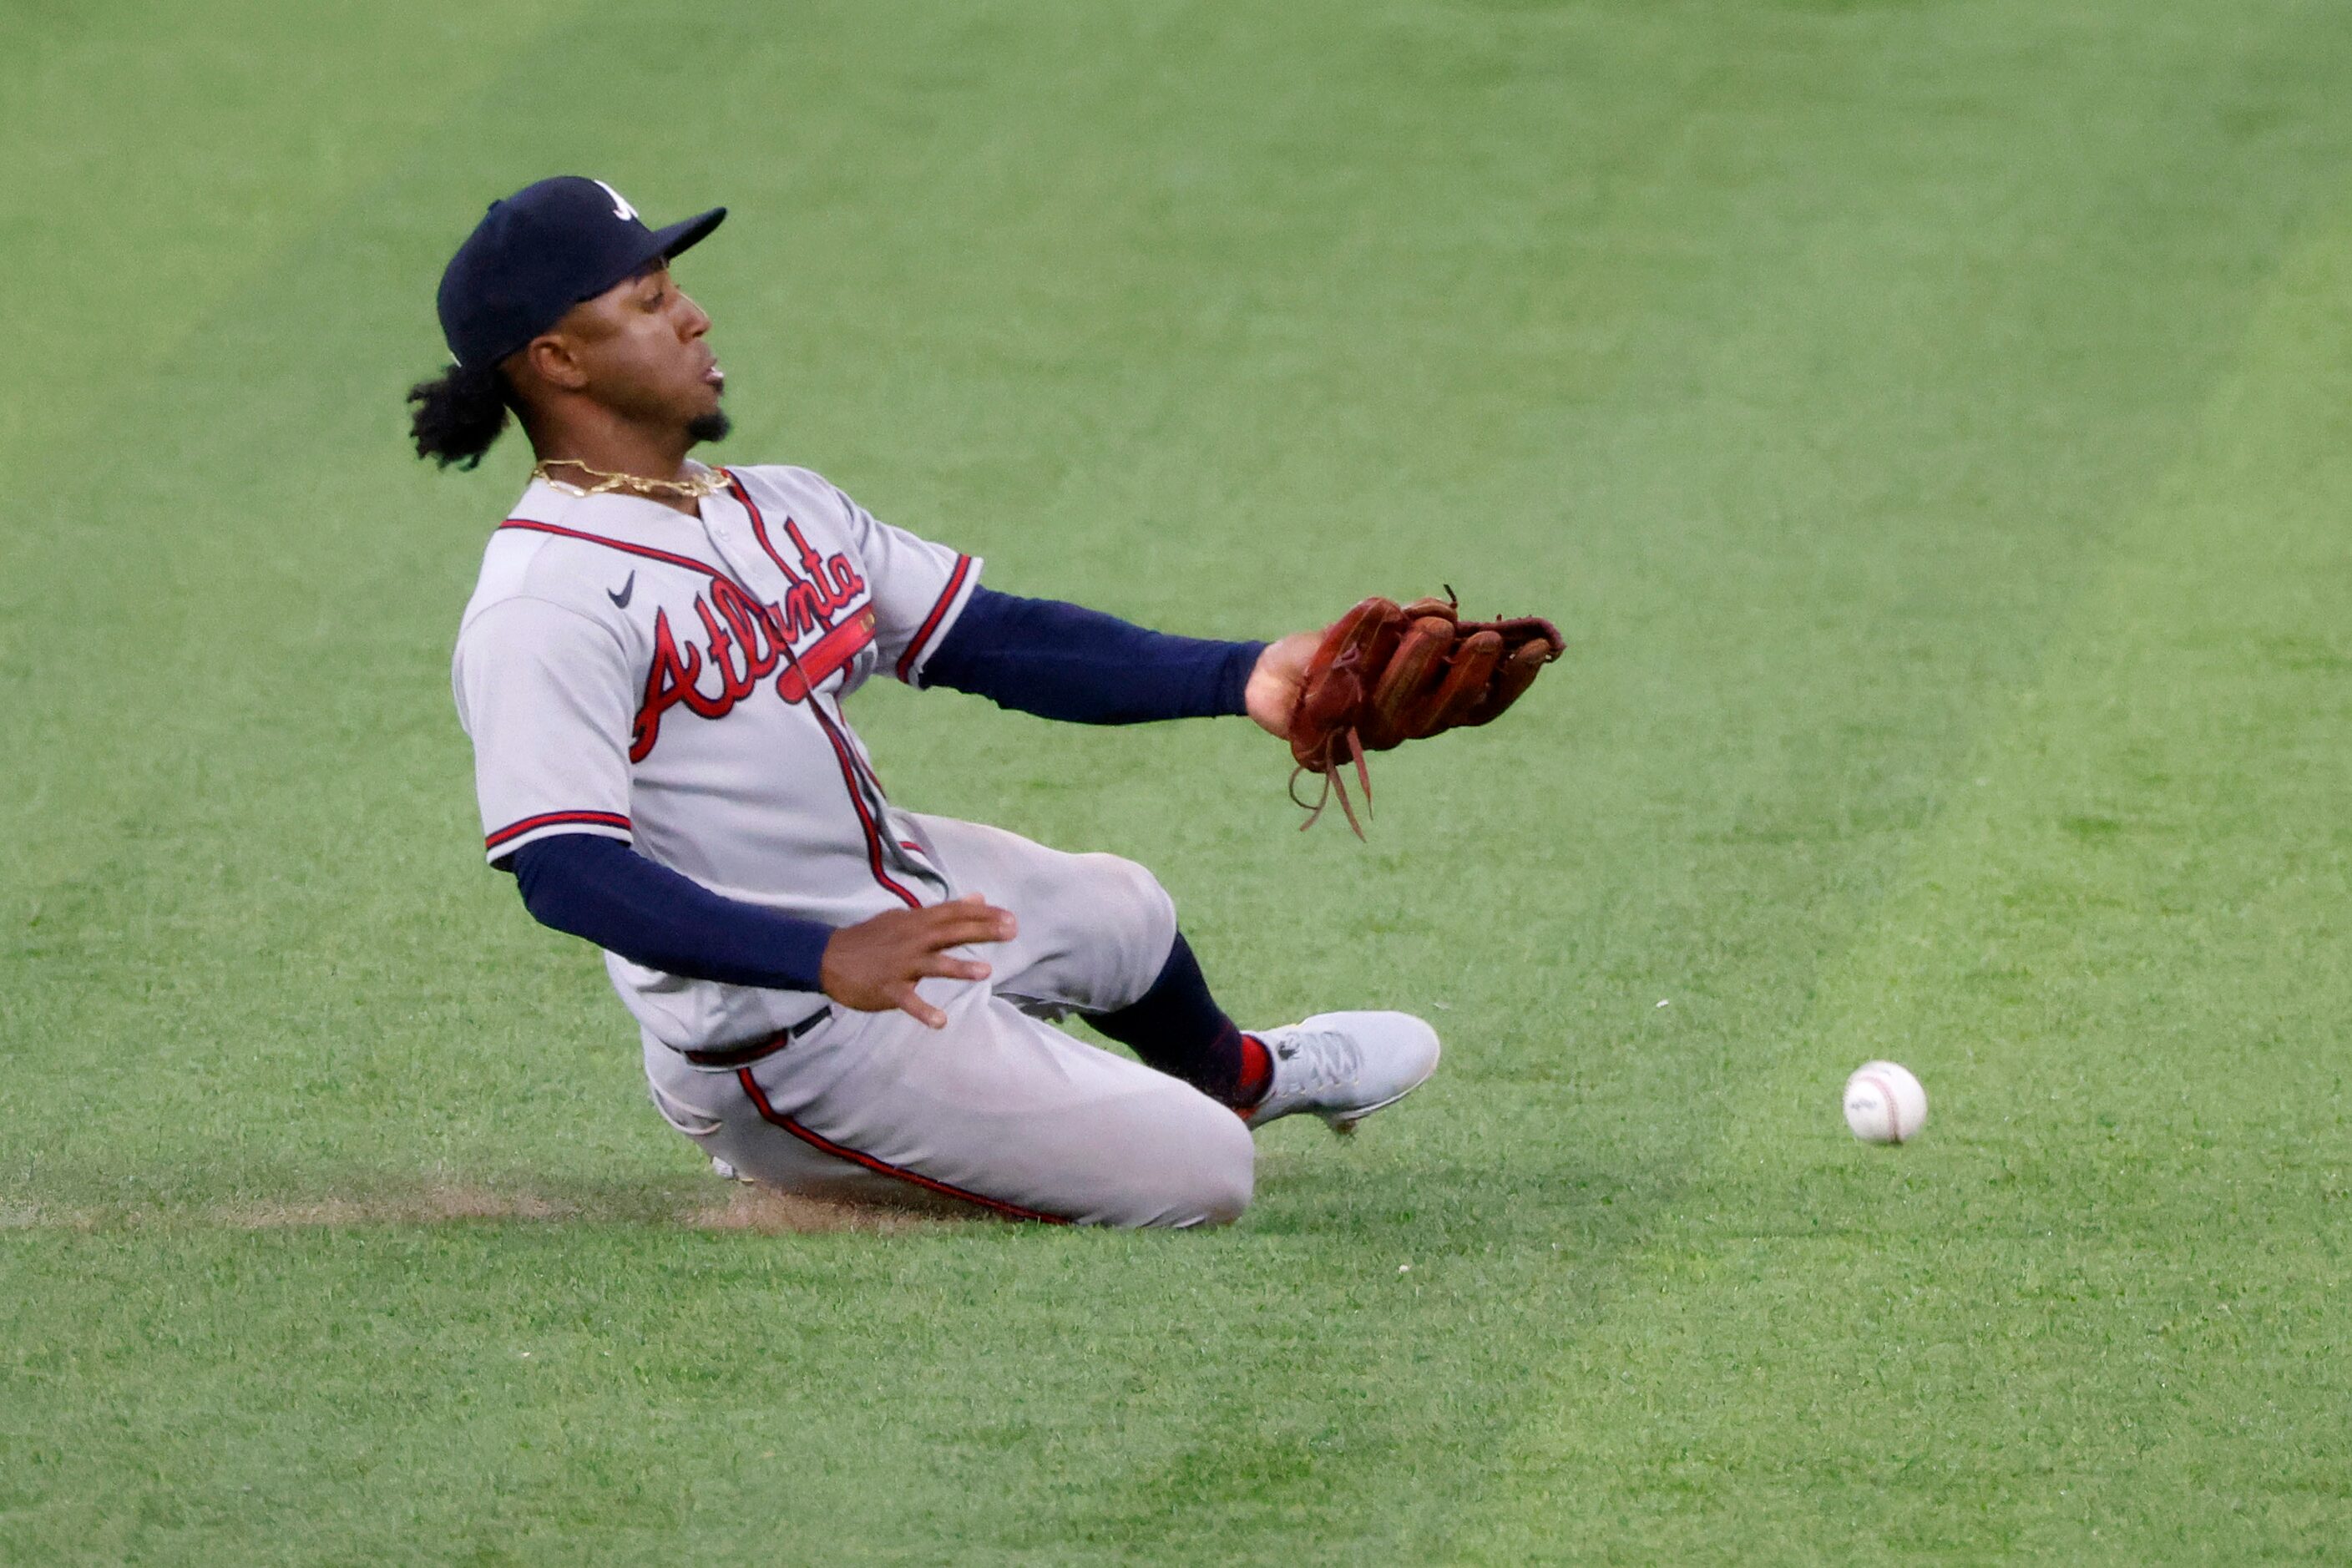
(1387, 673)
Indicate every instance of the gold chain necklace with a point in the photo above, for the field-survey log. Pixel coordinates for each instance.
(709, 482)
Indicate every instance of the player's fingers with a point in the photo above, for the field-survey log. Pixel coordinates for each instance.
(974, 904)
(953, 968)
(965, 919)
(911, 1003)
(938, 939)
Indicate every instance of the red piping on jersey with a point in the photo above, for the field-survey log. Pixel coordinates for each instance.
(931, 622)
(648, 551)
(866, 771)
(513, 830)
(818, 1140)
(847, 759)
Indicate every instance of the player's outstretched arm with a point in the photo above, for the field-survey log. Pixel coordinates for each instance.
(872, 966)
(1065, 661)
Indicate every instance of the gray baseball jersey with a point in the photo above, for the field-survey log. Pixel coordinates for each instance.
(624, 668)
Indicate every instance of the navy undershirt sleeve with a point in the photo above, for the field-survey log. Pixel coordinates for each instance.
(598, 888)
(1065, 661)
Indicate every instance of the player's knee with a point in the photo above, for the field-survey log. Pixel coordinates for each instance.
(1138, 919)
(1225, 1196)
(1222, 1175)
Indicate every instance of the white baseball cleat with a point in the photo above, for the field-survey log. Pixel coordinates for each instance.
(1344, 1066)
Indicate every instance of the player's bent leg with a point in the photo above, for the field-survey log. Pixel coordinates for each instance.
(997, 1113)
(1099, 936)
(1096, 929)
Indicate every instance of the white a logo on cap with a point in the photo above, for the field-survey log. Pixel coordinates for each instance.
(621, 207)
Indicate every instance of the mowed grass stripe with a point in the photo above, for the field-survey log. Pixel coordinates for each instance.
(162, 164)
(1782, 650)
(174, 178)
(1521, 1100)
(2094, 1312)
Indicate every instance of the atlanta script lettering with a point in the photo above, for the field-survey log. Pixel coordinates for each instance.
(745, 641)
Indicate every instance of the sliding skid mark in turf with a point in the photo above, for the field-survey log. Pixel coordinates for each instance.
(739, 1207)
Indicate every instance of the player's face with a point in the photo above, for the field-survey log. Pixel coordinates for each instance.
(641, 345)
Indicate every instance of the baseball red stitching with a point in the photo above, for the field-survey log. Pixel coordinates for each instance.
(1894, 1111)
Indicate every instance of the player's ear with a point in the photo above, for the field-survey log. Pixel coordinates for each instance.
(551, 360)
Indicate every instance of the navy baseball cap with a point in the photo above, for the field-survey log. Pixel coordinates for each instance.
(541, 251)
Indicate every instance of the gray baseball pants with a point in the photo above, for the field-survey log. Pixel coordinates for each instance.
(1000, 1111)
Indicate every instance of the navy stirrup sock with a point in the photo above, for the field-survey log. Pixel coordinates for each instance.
(1177, 1027)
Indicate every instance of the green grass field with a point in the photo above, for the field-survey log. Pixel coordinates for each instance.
(1931, 421)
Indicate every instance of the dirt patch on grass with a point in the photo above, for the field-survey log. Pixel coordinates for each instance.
(734, 1207)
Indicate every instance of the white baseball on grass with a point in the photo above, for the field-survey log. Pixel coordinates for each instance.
(1884, 1103)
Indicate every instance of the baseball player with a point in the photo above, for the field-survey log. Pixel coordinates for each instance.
(836, 995)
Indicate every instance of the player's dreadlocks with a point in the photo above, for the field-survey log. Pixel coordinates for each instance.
(459, 414)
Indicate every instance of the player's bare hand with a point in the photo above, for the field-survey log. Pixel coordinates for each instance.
(872, 966)
(1280, 675)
